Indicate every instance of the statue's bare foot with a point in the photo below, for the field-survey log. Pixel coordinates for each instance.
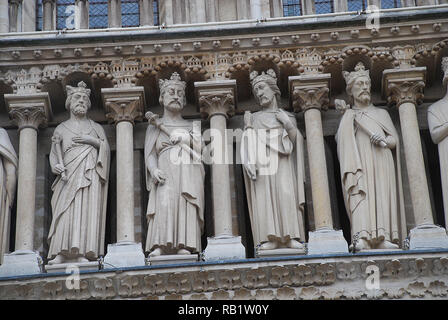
(270, 245)
(295, 244)
(362, 244)
(183, 251)
(387, 245)
(156, 252)
(82, 259)
(57, 260)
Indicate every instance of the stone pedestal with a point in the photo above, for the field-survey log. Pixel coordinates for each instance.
(224, 248)
(280, 252)
(70, 267)
(21, 263)
(326, 242)
(310, 94)
(123, 255)
(428, 237)
(217, 100)
(173, 259)
(404, 87)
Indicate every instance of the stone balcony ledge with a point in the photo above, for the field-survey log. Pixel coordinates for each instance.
(304, 22)
(417, 274)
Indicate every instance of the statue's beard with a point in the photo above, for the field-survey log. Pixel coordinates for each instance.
(78, 110)
(265, 101)
(174, 105)
(364, 97)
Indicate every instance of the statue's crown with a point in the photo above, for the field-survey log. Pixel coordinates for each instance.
(256, 77)
(82, 87)
(360, 70)
(174, 79)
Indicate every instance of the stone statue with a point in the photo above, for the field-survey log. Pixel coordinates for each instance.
(174, 176)
(80, 157)
(438, 127)
(369, 155)
(272, 157)
(8, 179)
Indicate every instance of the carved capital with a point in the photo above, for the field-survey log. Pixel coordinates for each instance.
(310, 92)
(404, 85)
(124, 104)
(29, 111)
(216, 97)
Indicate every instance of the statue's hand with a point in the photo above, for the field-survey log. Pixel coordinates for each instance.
(175, 138)
(159, 176)
(59, 169)
(283, 118)
(377, 139)
(251, 171)
(86, 139)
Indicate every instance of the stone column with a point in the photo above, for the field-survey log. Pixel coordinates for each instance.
(81, 14)
(255, 9)
(166, 12)
(404, 88)
(376, 3)
(146, 13)
(340, 6)
(243, 10)
(124, 106)
(217, 100)
(29, 16)
(308, 7)
(14, 15)
(277, 9)
(48, 10)
(310, 94)
(114, 12)
(4, 16)
(197, 11)
(211, 10)
(28, 112)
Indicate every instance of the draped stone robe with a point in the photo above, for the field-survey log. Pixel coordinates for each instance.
(79, 204)
(7, 153)
(437, 119)
(175, 211)
(276, 201)
(371, 176)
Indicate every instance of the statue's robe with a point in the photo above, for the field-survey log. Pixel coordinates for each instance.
(79, 204)
(437, 119)
(276, 198)
(175, 211)
(7, 153)
(371, 176)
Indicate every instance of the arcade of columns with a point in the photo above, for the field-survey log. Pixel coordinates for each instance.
(404, 60)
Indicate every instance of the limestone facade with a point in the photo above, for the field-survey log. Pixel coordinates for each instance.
(214, 46)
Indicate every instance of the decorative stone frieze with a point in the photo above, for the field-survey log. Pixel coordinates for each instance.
(299, 279)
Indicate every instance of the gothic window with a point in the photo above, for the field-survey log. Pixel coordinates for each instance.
(156, 12)
(292, 8)
(98, 14)
(389, 4)
(357, 5)
(39, 15)
(130, 13)
(324, 6)
(65, 14)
